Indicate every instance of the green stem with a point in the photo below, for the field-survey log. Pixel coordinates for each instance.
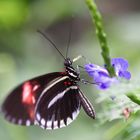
(97, 19)
(134, 98)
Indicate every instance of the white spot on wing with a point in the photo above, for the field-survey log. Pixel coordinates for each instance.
(69, 120)
(28, 123)
(75, 114)
(55, 124)
(49, 125)
(62, 124)
(43, 122)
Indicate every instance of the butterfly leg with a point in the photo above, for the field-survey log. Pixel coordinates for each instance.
(83, 80)
(87, 82)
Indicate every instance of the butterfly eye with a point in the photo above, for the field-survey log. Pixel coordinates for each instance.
(68, 62)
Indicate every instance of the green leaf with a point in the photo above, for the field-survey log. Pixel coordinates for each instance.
(134, 98)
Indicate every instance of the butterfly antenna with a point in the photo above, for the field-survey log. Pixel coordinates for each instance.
(69, 39)
(51, 42)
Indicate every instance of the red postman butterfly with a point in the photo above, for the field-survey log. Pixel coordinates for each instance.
(51, 101)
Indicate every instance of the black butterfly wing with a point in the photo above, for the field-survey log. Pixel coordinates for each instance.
(20, 104)
(58, 105)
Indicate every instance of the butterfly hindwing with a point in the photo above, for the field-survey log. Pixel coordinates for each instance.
(20, 104)
(58, 105)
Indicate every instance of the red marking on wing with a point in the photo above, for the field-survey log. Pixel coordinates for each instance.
(66, 83)
(28, 94)
(28, 97)
(69, 83)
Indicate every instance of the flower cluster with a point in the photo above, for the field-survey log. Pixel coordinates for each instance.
(101, 75)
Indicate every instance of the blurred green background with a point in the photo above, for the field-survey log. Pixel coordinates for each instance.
(24, 54)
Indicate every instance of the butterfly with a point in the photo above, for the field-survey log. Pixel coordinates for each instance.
(50, 101)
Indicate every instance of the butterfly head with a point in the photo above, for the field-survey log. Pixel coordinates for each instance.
(68, 62)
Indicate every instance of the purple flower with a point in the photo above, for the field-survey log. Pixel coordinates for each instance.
(101, 75)
(121, 66)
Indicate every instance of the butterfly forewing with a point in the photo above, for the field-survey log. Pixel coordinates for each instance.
(19, 106)
(58, 105)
